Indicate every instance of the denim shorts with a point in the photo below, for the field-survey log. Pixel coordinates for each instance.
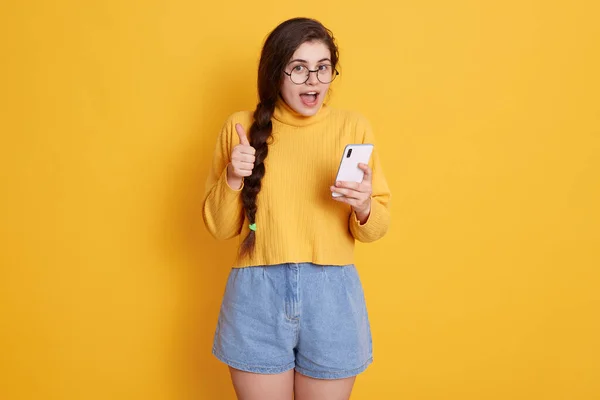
(309, 317)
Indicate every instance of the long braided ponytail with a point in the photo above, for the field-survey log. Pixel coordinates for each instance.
(260, 131)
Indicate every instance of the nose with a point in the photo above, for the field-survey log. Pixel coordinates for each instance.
(312, 78)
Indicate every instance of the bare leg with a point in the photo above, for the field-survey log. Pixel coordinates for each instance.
(306, 388)
(250, 386)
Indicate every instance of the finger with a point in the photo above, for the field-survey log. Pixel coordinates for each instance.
(248, 168)
(368, 172)
(363, 187)
(244, 157)
(244, 149)
(346, 200)
(246, 164)
(243, 164)
(242, 134)
(353, 194)
(243, 172)
(348, 185)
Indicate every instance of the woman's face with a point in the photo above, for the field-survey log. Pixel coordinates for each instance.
(306, 98)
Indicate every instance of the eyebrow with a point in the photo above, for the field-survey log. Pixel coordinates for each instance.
(306, 62)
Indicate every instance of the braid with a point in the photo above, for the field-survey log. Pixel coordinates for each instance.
(260, 132)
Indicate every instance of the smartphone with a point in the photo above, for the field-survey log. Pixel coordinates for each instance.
(348, 170)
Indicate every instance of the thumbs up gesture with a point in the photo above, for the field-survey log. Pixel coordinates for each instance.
(242, 159)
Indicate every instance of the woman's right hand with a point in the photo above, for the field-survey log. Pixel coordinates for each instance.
(242, 160)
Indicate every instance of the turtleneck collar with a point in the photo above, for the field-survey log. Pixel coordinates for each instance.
(287, 115)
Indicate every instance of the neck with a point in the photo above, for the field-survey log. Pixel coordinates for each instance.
(287, 115)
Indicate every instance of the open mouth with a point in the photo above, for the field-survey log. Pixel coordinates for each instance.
(310, 99)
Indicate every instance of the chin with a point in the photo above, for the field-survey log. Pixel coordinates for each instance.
(309, 112)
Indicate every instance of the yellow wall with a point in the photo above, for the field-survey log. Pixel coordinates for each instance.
(488, 120)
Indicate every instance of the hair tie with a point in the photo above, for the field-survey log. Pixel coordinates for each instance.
(252, 227)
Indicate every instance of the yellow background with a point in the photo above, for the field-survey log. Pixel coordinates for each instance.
(488, 121)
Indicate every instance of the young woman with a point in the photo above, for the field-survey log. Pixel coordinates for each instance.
(293, 320)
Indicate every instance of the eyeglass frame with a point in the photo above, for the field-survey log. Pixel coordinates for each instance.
(308, 76)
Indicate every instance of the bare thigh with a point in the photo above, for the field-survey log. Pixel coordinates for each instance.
(306, 388)
(250, 386)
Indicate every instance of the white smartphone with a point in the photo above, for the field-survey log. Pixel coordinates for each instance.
(348, 170)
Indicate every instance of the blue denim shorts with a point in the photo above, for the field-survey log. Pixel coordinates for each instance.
(309, 317)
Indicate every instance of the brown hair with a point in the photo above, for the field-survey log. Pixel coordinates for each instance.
(278, 49)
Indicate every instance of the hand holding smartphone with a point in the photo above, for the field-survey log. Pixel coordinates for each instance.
(348, 170)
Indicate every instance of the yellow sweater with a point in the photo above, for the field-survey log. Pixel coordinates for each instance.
(297, 220)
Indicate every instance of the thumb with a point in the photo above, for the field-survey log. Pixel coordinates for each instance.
(367, 170)
(242, 134)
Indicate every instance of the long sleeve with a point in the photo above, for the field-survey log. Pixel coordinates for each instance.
(378, 222)
(222, 209)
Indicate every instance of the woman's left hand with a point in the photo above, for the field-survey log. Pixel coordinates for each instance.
(358, 195)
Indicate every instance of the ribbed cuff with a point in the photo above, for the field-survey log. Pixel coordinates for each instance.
(374, 227)
(227, 191)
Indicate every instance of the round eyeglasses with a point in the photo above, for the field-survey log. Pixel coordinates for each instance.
(301, 74)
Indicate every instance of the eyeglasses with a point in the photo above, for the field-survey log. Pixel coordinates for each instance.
(301, 74)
